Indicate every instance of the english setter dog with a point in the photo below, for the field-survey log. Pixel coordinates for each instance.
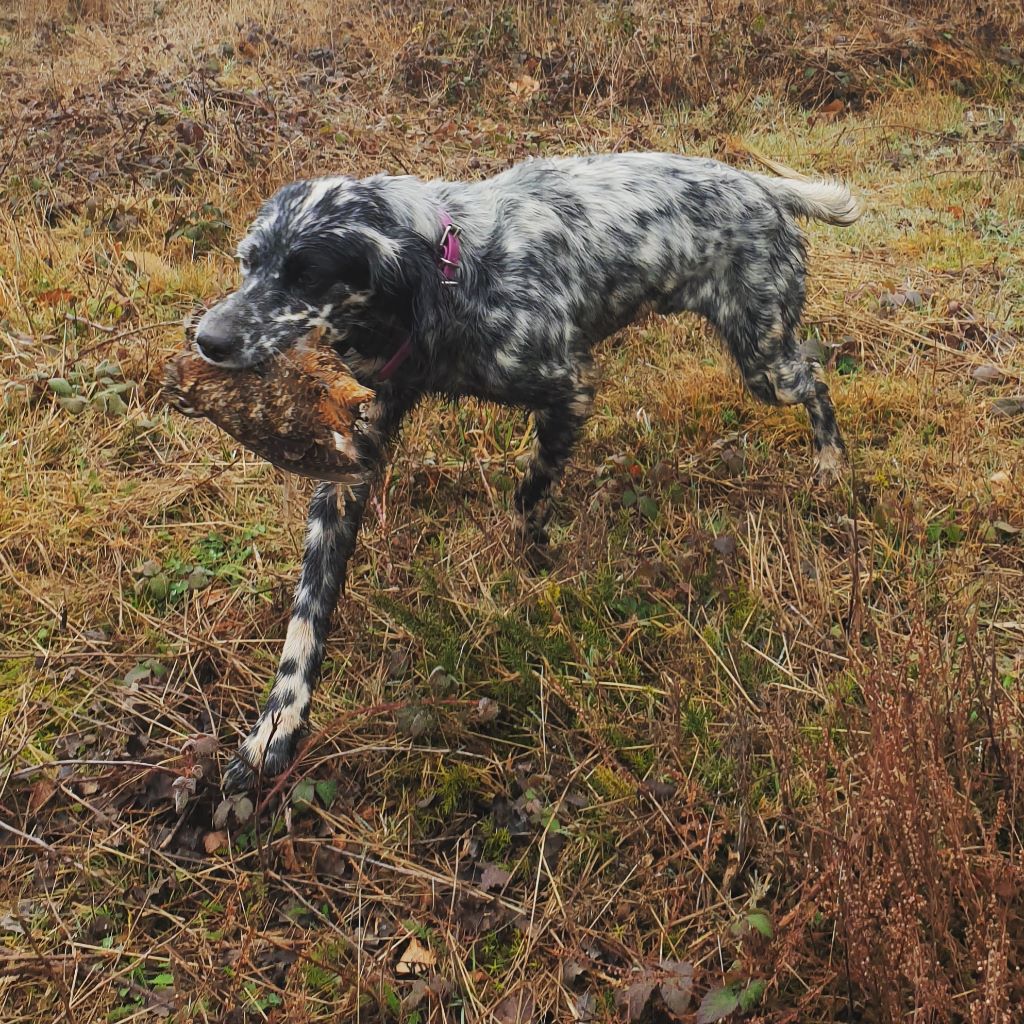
(500, 289)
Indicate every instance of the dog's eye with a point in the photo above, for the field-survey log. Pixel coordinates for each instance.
(300, 273)
(248, 263)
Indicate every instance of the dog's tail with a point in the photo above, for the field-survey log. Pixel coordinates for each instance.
(828, 200)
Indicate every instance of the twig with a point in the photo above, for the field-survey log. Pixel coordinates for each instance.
(22, 773)
(29, 839)
(141, 329)
(75, 319)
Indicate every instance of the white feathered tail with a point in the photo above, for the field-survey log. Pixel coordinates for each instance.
(822, 199)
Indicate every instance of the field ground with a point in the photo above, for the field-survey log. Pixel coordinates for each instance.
(745, 737)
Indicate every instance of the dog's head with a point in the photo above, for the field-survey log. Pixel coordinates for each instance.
(328, 253)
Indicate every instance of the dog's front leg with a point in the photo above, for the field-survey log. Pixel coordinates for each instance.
(330, 540)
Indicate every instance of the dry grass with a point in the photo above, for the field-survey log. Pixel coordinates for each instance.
(731, 701)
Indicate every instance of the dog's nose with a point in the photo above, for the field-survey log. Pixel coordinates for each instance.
(214, 336)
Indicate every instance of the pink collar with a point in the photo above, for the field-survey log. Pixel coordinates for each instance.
(451, 250)
(448, 258)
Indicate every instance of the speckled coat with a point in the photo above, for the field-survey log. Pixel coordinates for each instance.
(556, 254)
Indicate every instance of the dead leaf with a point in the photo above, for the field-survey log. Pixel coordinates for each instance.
(725, 545)
(291, 862)
(213, 841)
(40, 795)
(523, 87)
(1008, 406)
(677, 988)
(54, 296)
(635, 996)
(190, 132)
(517, 1007)
(201, 746)
(987, 374)
(1002, 526)
(183, 787)
(486, 710)
(494, 877)
(415, 959)
(11, 925)
(732, 459)
(1000, 481)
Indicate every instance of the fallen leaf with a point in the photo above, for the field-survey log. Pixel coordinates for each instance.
(999, 480)
(494, 877)
(416, 720)
(190, 132)
(40, 795)
(517, 1007)
(1008, 406)
(213, 841)
(415, 958)
(291, 862)
(725, 545)
(523, 87)
(732, 459)
(716, 1004)
(987, 374)
(183, 787)
(634, 997)
(677, 988)
(54, 296)
(11, 925)
(1008, 528)
(486, 710)
(201, 746)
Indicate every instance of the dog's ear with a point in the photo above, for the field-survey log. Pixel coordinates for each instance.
(406, 280)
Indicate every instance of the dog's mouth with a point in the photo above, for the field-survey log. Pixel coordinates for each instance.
(253, 356)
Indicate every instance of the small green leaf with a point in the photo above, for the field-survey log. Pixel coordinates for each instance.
(302, 794)
(106, 368)
(649, 507)
(163, 981)
(751, 995)
(73, 404)
(59, 386)
(761, 922)
(718, 1003)
(327, 790)
(628, 498)
(158, 587)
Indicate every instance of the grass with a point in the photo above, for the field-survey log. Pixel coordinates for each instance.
(733, 698)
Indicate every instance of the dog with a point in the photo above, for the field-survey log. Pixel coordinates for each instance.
(500, 289)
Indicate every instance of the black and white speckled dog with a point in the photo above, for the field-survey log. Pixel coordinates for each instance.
(552, 256)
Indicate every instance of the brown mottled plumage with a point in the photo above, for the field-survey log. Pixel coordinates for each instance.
(298, 410)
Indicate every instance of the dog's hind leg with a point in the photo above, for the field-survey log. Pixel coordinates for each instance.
(757, 311)
(556, 429)
(791, 377)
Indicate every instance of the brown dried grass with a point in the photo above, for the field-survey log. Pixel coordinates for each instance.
(824, 723)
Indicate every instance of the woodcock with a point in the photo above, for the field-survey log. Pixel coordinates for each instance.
(298, 410)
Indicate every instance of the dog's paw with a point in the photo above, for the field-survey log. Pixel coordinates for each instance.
(539, 557)
(239, 776)
(829, 466)
(259, 758)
